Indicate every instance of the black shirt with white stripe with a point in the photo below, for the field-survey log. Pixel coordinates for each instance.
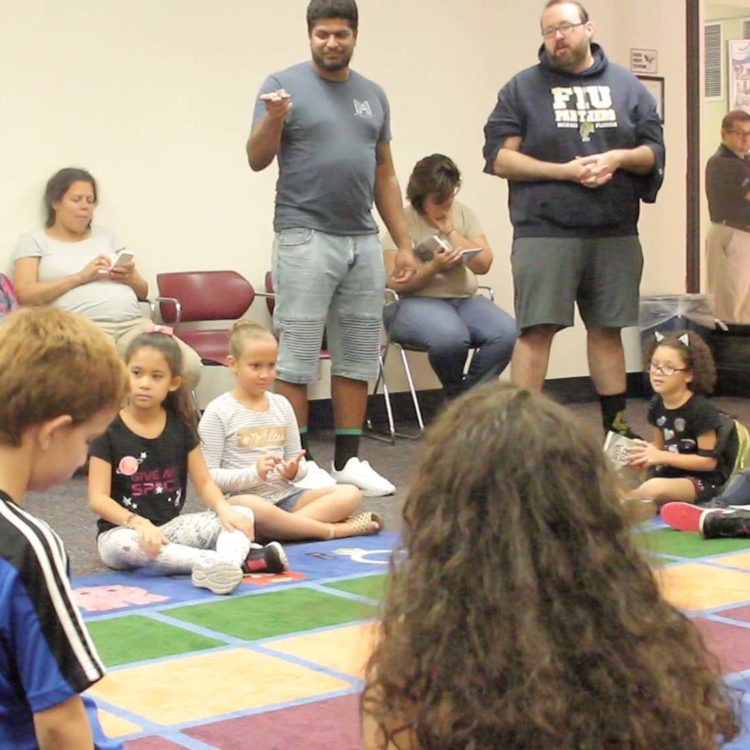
(46, 653)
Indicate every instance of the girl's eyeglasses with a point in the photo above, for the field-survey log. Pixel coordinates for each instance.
(666, 370)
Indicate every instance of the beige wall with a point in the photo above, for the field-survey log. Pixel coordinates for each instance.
(154, 96)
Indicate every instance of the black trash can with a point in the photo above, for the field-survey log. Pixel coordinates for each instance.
(730, 344)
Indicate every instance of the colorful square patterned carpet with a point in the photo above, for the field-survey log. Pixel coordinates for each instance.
(278, 664)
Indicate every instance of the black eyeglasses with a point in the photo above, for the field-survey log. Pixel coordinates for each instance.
(666, 370)
(564, 29)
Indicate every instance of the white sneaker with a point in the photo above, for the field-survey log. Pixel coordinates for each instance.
(362, 475)
(221, 577)
(316, 478)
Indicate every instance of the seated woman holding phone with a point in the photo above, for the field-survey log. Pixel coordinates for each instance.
(439, 310)
(84, 268)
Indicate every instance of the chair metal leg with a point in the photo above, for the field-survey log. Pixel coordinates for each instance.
(393, 433)
(469, 358)
(381, 370)
(370, 430)
(414, 398)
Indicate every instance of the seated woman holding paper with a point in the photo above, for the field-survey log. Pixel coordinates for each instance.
(439, 310)
(84, 268)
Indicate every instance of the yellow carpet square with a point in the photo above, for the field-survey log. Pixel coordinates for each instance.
(695, 586)
(115, 726)
(210, 684)
(345, 649)
(740, 560)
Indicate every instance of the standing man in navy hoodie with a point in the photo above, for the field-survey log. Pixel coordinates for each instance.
(580, 142)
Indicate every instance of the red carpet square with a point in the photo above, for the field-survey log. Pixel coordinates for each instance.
(152, 743)
(327, 724)
(730, 643)
(738, 613)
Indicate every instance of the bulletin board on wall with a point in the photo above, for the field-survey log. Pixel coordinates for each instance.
(738, 53)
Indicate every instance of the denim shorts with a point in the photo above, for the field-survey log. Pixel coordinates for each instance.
(287, 503)
(332, 282)
(552, 274)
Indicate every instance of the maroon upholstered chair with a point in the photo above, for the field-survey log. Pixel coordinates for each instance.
(201, 297)
(270, 294)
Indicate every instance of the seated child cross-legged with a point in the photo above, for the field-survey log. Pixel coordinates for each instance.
(60, 386)
(138, 474)
(252, 444)
(685, 460)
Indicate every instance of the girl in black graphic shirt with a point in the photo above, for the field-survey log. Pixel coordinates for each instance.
(137, 481)
(685, 459)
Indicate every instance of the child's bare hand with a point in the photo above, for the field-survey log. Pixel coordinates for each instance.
(644, 454)
(234, 520)
(150, 537)
(288, 468)
(266, 464)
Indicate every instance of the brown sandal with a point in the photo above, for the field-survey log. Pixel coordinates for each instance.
(361, 524)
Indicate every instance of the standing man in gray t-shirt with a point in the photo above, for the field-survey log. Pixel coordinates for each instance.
(329, 128)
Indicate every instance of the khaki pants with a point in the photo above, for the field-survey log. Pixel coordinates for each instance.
(728, 272)
(123, 333)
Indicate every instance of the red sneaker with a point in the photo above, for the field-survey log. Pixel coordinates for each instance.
(268, 559)
(682, 516)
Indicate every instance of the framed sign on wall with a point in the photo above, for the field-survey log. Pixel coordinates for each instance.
(655, 87)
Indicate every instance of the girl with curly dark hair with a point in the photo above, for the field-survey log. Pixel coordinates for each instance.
(523, 617)
(686, 459)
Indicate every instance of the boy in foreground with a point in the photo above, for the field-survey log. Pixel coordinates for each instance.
(60, 385)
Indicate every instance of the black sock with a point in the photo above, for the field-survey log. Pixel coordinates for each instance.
(303, 442)
(347, 446)
(613, 414)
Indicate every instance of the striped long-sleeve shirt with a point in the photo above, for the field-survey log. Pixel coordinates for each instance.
(234, 437)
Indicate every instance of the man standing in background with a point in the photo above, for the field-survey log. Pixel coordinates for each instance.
(728, 238)
(580, 143)
(329, 127)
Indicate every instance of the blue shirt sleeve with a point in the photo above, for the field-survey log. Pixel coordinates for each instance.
(29, 672)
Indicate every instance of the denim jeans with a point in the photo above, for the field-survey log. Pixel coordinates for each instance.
(447, 329)
(737, 492)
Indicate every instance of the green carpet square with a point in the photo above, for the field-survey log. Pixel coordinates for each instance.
(687, 543)
(276, 613)
(656, 561)
(122, 640)
(373, 587)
